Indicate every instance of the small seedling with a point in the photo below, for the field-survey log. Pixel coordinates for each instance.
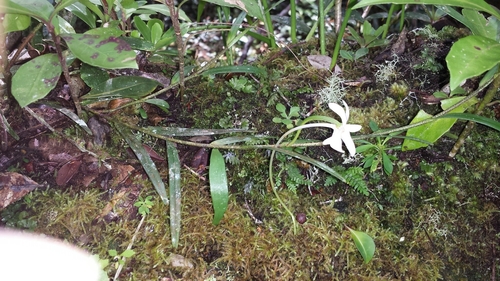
(288, 118)
(376, 153)
(119, 258)
(144, 205)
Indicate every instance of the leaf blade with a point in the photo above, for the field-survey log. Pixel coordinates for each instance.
(218, 185)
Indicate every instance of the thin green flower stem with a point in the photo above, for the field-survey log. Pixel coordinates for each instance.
(388, 21)
(340, 34)
(490, 94)
(293, 21)
(321, 23)
(402, 18)
(268, 22)
(273, 152)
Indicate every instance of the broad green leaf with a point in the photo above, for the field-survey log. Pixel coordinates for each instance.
(101, 51)
(110, 31)
(480, 26)
(387, 163)
(35, 79)
(139, 44)
(475, 118)
(432, 131)
(15, 22)
(162, 104)
(156, 32)
(163, 9)
(470, 57)
(133, 87)
(64, 26)
(250, 6)
(218, 185)
(83, 13)
(364, 243)
(479, 5)
(235, 69)
(174, 183)
(145, 160)
(40, 9)
(63, 4)
(143, 28)
(93, 76)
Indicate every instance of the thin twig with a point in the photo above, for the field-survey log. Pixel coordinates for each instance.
(128, 248)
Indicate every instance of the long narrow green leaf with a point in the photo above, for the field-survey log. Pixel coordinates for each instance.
(475, 118)
(478, 5)
(133, 87)
(145, 160)
(218, 185)
(364, 243)
(311, 161)
(190, 132)
(235, 68)
(174, 183)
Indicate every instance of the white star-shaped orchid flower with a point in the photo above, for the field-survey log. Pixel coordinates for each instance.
(343, 132)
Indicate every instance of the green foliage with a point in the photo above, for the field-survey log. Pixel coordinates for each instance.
(288, 119)
(354, 177)
(241, 84)
(144, 205)
(375, 154)
(218, 185)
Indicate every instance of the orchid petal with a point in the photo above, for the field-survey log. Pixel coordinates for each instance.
(349, 143)
(346, 112)
(352, 128)
(335, 142)
(339, 110)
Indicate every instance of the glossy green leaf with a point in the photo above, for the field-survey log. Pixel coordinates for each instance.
(111, 31)
(15, 22)
(83, 13)
(364, 243)
(101, 51)
(387, 163)
(143, 28)
(162, 104)
(163, 9)
(174, 183)
(470, 57)
(93, 76)
(40, 9)
(250, 6)
(432, 131)
(133, 87)
(478, 5)
(475, 118)
(145, 160)
(139, 44)
(64, 26)
(218, 185)
(235, 69)
(36, 78)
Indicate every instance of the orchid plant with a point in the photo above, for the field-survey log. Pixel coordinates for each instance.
(341, 134)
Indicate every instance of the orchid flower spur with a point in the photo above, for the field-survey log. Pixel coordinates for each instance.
(343, 132)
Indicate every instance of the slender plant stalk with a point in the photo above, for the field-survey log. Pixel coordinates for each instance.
(174, 15)
(293, 21)
(321, 23)
(268, 22)
(119, 270)
(340, 34)
(388, 21)
(490, 94)
(338, 15)
(73, 89)
(402, 18)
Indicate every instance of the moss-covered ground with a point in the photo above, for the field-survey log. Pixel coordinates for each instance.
(433, 218)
